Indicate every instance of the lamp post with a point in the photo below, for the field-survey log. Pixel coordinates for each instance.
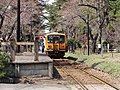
(18, 23)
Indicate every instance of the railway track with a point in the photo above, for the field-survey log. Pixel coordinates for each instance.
(70, 70)
(100, 80)
(82, 86)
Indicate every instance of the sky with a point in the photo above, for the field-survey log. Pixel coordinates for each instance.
(51, 1)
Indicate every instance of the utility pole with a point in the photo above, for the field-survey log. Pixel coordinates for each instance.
(88, 32)
(18, 23)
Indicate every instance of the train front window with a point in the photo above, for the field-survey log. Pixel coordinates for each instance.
(56, 39)
(62, 38)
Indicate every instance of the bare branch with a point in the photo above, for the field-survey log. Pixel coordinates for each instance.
(2, 19)
(6, 7)
(88, 5)
(12, 29)
(2, 15)
(82, 18)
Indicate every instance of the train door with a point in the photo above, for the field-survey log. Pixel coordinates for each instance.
(56, 40)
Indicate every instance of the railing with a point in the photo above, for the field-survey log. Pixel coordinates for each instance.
(112, 50)
(11, 48)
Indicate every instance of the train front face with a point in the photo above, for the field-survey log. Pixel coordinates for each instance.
(56, 45)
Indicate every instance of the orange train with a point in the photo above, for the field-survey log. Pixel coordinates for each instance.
(55, 45)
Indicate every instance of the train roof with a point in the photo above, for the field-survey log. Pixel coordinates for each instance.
(55, 33)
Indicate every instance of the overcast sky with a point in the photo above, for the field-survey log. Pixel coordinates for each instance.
(51, 1)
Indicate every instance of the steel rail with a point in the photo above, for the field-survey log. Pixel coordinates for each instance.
(100, 80)
(92, 76)
(83, 87)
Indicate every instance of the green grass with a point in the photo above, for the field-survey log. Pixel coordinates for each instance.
(107, 62)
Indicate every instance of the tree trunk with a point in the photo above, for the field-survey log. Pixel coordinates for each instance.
(93, 46)
(94, 40)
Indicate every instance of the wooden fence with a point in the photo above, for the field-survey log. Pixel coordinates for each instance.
(11, 48)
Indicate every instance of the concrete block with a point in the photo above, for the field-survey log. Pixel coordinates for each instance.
(28, 69)
(33, 66)
(33, 72)
(50, 70)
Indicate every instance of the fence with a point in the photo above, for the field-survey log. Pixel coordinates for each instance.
(12, 46)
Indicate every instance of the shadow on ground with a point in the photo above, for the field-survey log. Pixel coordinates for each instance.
(9, 80)
(82, 60)
(95, 64)
(72, 58)
(56, 74)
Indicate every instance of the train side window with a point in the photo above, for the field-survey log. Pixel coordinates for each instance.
(62, 39)
(50, 39)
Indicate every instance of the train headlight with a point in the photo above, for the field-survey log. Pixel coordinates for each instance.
(62, 48)
(49, 48)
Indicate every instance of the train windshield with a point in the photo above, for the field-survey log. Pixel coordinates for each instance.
(56, 39)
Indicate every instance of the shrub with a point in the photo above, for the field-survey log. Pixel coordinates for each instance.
(71, 44)
(4, 62)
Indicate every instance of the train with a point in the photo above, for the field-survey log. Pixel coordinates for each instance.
(55, 45)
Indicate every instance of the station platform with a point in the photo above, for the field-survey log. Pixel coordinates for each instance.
(24, 65)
